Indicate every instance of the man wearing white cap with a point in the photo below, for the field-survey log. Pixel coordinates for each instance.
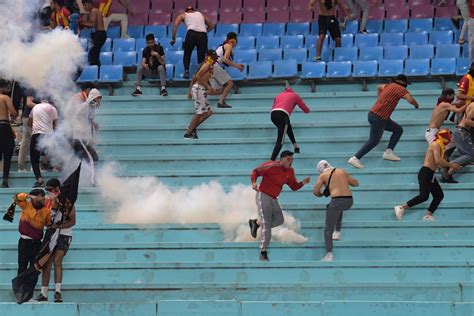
(336, 183)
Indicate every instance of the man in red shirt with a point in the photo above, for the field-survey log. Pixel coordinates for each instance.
(275, 174)
(379, 119)
(59, 15)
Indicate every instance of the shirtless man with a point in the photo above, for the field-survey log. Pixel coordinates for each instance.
(96, 22)
(426, 177)
(7, 138)
(336, 183)
(441, 113)
(198, 90)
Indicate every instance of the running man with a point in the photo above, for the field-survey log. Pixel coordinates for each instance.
(199, 88)
(275, 174)
(379, 118)
(336, 183)
(7, 137)
(99, 36)
(426, 177)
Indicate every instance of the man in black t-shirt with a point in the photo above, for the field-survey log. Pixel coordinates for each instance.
(153, 65)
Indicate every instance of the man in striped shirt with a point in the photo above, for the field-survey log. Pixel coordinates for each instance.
(379, 119)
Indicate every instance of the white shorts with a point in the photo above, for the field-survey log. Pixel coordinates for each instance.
(201, 105)
(219, 77)
(430, 134)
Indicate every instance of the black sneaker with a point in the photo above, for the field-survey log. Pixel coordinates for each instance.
(38, 184)
(456, 23)
(264, 256)
(5, 185)
(186, 74)
(364, 31)
(297, 150)
(223, 105)
(448, 180)
(137, 92)
(318, 59)
(164, 93)
(253, 227)
(190, 136)
(41, 298)
(195, 134)
(58, 298)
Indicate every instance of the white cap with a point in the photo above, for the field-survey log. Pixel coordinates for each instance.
(322, 165)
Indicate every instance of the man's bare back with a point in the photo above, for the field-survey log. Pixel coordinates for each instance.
(340, 182)
(440, 113)
(468, 119)
(7, 110)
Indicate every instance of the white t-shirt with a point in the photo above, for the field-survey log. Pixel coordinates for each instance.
(195, 21)
(43, 115)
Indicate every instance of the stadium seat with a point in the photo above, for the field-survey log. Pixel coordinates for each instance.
(85, 33)
(391, 39)
(396, 26)
(140, 44)
(443, 25)
(142, 18)
(376, 13)
(126, 59)
(422, 51)
(423, 11)
(271, 54)
(214, 42)
(165, 42)
(236, 74)
(462, 66)
(312, 70)
(375, 26)
(169, 71)
(297, 28)
(174, 57)
(347, 40)
(326, 54)
(417, 67)
(246, 56)
(254, 4)
(251, 29)
(180, 33)
(371, 53)
(278, 17)
(395, 3)
(182, 4)
(446, 12)
(223, 29)
(106, 58)
(107, 47)
(291, 41)
(245, 42)
(365, 40)
(285, 68)
(231, 4)
(396, 52)
(123, 45)
(113, 32)
(89, 74)
(111, 74)
(266, 42)
(158, 30)
(300, 16)
(179, 71)
(390, 68)
(235, 16)
(465, 50)
(352, 27)
(273, 29)
(277, 5)
(420, 25)
(345, 54)
(136, 31)
(398, 12)
(448, 51)
(416, 38)
(310, 41)
(84, 43)
(298, 54)
(441, 37)
(260, 70)
(339, 69)
(443, 66)
(314, 28)
(365, 69)
(161, 5)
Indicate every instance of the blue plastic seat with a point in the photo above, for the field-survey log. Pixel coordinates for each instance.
(310, 41)
(180, 33)
(465, 50)
(298, 54)
(165, 42)
(111, 74)
(391, 39)
(314, 28)
(375, 26)
(352, 27)
(326, 54)
(245, 56)
(462, 66)
(179, 71)
(347, 40)
(443, 24)
(254, 29)
(448, 51)
(312, 70)
(297, 28)
(345, 54)
(260, 70)
(291, 41)
(123, 45)
(417, 67)
(214, 42)
(89, 74)
(140, 44)
(246, 42)
(223, 29)
(158, 30)
(339, 69)
(271, 54)
(441, 37)
(236, 74)
(84, 43)
(266, 42)
(285, 68)
(136, 31)
(396, 52)
(126, 59)
(366, 40)
(390, 68)
(443, 66)
(422, 51)
(106, 58)
(85, 33)
(395, 26)
(421, 25)
(365, 69)
(416, 38)
(174, 57)
(169, 71)
(113, 32)
(371, 53)
(273, 29)
(107, 47)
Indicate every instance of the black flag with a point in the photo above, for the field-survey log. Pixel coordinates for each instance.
(24, 284)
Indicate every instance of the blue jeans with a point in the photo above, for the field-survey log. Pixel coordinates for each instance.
(377, 126)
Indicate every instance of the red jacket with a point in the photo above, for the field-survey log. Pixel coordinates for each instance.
(287, 101)
(274, 177)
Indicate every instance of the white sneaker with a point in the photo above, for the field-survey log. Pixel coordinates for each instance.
(399, 211)
(22, 170)
(354, 162)
(328, 257)
(389, 155)
(336, 235)
(429, 218)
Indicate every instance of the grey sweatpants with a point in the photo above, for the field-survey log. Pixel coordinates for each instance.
(334, 217)
(269, 215)
(363, 5)
(149, 73)
(463, 141)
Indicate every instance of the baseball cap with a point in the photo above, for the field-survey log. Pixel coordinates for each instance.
(402, 79)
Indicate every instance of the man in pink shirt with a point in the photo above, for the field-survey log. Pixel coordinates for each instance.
(283, 106)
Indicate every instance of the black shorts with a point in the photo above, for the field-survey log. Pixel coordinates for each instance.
(63, 243)
(329, 23)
